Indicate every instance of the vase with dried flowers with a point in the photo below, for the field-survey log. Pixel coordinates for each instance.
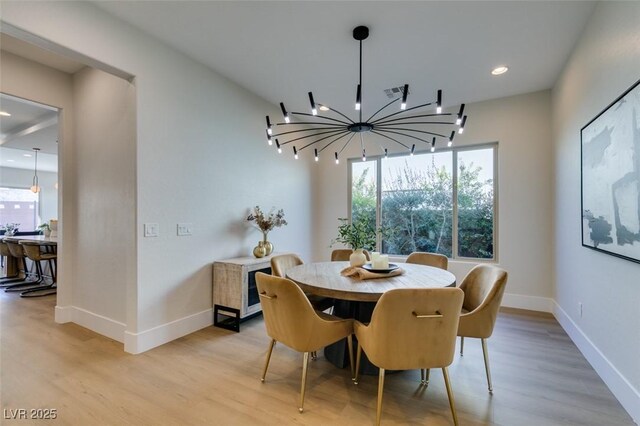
(265, 223)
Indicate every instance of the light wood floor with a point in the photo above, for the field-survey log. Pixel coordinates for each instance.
(212, 378)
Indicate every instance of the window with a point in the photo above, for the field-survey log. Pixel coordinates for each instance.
(440, 202)
(19, 206)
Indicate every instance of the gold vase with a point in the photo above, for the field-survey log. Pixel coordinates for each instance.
(260, 251)
(267, 245)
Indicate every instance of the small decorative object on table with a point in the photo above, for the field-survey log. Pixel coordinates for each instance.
(265, 223)
(359, 235)
(46, 229)
(10, 228)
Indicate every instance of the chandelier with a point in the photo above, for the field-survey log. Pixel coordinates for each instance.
(403, 127)
(35, 188)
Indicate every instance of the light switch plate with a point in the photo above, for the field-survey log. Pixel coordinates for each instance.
(151, 229)
(185, 229)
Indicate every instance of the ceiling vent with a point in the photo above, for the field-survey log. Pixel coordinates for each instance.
(394, 92)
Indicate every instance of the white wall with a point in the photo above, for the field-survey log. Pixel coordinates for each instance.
(104, 113)
(201, 158)
(22, 178)
(29, 80)
(604, 64)
(521, 126)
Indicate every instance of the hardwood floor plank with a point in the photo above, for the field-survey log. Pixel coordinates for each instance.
(212, 377)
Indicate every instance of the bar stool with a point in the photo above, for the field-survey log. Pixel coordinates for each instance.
(17, 251)
(33, 250)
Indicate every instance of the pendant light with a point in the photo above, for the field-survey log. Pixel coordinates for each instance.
(35, 188)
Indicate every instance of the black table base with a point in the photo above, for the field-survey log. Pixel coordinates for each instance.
(338, 353)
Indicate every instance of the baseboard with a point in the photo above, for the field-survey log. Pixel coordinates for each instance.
(136, 343)
(531, 303)
(63, 314)
(94, 322)
(624, 392)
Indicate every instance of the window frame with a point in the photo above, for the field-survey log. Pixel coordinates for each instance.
(37, 210)
(454, 225)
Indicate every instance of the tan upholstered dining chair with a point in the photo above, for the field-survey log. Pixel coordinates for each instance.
(411, 329)
(279, 266)
(483, 290)
(342, 255)
(291, 320)
(430, 259)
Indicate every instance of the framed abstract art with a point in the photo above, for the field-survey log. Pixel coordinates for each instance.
(611, 178)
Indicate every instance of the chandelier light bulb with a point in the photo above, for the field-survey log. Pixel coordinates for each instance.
(337, 161)
(413, 148)
(269, 131)
(358, 97)
(386, 153)
(278, 146)
(269, 138)
(459, 117)
(461, 129)
(314, 111)
(439, 103)
(285, 114)
(364, 156)
(453, 134)
(295, 153)
(433, 144)
(405, 93)
(35, 189)
(315, 152)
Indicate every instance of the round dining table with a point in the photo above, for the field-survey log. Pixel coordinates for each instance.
(355, 298)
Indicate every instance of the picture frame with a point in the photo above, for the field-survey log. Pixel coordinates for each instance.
(610, 178)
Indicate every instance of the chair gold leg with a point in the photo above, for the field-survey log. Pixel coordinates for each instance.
(424, 376)
(314, 356)
(305, 366)
(461, 345)
(485, 352)
(380, 390)
(266, 364)
(350, 347)
(452, 403)
(358, 355)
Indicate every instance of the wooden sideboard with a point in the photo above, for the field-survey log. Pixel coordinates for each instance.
(235, 296)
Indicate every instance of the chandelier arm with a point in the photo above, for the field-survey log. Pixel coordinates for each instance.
(378, 111)
(338, 112)
(414, 116)
(402, 112)
(389, 137)
(346, 143)
(335, 140)
(320, 116)
(411, 130)
(321, 139)
(407, 135)
(451, 123)
(335, 132)
(315, 123)
(308, 130)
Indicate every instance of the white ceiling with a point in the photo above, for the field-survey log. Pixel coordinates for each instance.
(30, 125)
(282, 50)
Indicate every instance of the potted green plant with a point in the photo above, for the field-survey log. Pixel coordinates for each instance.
(10, 228)
(359, 235)
(45, 229)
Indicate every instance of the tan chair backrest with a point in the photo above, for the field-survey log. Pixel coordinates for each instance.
(15, 249)
(4, 249)
(483, 290)
(404, 337)
(289, 317)
(341, 255)
(280, 264)
(430, 259)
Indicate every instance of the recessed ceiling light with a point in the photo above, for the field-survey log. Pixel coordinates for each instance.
(10, 161)
(499, 70)
(26, 155)
(5, 114)
(323, 108)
